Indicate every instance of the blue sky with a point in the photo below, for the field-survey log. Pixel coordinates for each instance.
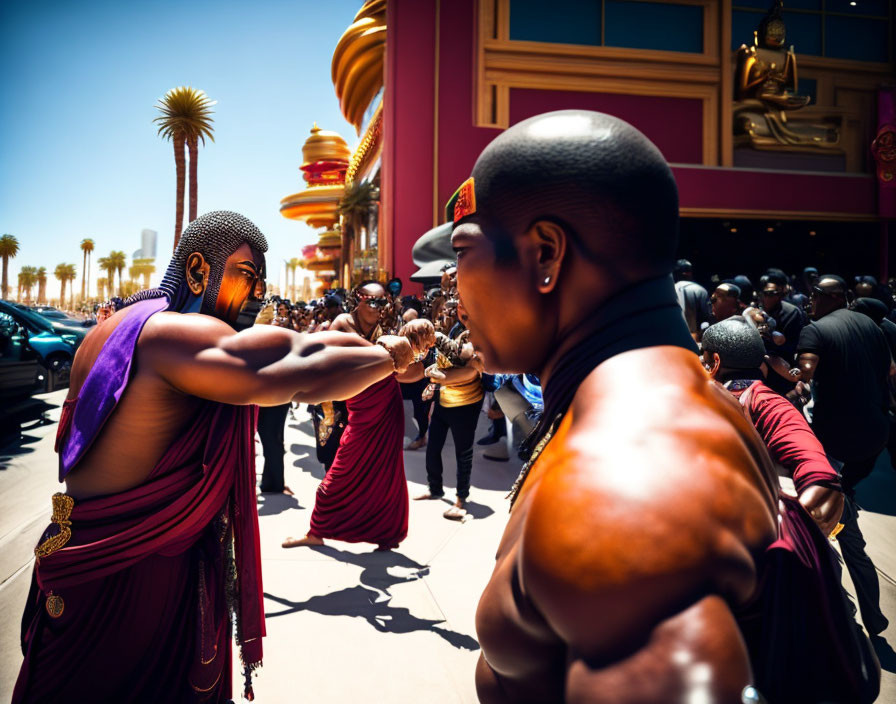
(79, 154)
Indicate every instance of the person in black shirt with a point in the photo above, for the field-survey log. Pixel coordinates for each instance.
(846, 356)
(789, 322)
(878, 311)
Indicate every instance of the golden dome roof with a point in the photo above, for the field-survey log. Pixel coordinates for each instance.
(357, 68)
(323, 145)
(329, 239)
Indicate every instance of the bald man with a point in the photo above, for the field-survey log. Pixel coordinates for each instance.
(638, 528)
(846, 357)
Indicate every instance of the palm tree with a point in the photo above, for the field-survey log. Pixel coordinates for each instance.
(106, 264)
(87, 248)
(354, 208)
(101, 286)
(61, 273)
(27, 279)
(9, 248)
(143, 267)
(71, 273)
(42, 286)
(185, 119)
(293, 265)
(119, 260)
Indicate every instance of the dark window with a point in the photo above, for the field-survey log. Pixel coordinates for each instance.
(559, 21)
(808, 86)
(840, 29)
(634, 24)
(859, 38)
(654, 25)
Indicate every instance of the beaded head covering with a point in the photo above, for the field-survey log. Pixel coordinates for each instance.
(215, 236)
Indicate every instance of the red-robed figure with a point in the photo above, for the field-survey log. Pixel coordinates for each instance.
(154, 545)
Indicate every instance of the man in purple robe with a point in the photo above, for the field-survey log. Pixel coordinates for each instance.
(155, 542)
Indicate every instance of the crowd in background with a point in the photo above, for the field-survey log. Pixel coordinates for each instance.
(810, 357)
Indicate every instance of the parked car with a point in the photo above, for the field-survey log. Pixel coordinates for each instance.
(21, 375)
(56, 314)
(54, 350)
(68, 326)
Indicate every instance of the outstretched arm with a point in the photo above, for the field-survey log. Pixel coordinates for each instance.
(202, 356)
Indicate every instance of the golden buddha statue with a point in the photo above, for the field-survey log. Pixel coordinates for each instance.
(765, 88)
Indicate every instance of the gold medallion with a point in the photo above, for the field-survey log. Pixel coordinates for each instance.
(55, 605)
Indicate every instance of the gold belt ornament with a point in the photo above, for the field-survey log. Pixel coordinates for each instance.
(62, 512)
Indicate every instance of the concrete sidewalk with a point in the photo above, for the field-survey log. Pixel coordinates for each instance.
(347, 624)
(344, 623)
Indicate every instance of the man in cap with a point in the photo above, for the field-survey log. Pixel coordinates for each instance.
(156, 539)
(613, 580)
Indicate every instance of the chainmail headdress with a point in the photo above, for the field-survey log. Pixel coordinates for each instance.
(215, 236)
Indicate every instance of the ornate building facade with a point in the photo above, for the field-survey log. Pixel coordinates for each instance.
(778, 122)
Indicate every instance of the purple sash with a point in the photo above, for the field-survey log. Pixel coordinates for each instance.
(106, 382)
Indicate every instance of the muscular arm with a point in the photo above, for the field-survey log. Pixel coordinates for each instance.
(413, 373)
(807, 363)
(792, 444)
(202, 356)
(452, 376)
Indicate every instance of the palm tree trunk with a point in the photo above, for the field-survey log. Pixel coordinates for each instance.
(62, 294)
(84, 276)
(180, 168)
(5, 277)
(193, 146)
(71, 294)
(145, 279)
(87, 272)
(121, 282)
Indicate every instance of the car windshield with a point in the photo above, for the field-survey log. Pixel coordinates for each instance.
(32, 321)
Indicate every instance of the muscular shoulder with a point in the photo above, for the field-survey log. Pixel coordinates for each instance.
(343, 323)
(653, 501)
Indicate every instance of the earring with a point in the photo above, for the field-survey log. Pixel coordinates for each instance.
(547, 280)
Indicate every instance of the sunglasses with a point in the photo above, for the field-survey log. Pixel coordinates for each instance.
(371, 301)
(771, 293)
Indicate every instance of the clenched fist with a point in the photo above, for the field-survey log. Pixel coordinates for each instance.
(400, 349)
(420, 333)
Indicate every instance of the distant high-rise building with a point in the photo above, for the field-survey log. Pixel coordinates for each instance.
(147, 249)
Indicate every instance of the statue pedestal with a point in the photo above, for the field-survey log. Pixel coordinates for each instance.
(809, 130)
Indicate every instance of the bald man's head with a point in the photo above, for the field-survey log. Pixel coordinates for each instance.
(597, 177)
(828, 294)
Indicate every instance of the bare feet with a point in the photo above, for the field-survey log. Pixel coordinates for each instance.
(300, 542)
(456, 512)
(428, 496)
(288, 491)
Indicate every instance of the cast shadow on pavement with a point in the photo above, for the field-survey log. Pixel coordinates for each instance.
(306, 461)
(15, 449)
(371, 599)
(271, 504)
(473, 509)
(885, 653)
(304, 426)
(878, 491)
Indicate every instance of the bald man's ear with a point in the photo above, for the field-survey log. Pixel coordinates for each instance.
(551, 241)
(197, 270)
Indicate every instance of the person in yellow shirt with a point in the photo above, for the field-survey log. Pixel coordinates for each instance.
(457, 409)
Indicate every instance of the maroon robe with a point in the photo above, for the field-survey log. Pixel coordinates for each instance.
(364, 496)
(135, 606)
